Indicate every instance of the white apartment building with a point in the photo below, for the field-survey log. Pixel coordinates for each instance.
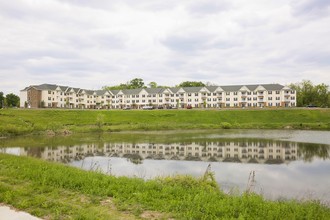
(237, 96)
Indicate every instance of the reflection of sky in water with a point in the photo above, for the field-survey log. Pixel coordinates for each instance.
(296, 180)
(291, 178)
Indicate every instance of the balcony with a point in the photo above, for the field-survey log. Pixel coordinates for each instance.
(261, 100)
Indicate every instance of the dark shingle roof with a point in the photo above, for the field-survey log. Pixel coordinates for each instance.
(46, 87)
(212, 88)
(154, 90)
(192, 89)
(174, 89)
(131, 91)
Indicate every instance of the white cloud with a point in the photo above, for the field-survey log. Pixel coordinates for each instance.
(94, 43)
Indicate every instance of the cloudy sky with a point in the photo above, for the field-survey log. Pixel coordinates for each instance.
(89, 44)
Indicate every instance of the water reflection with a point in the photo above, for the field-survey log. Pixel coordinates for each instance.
(237, 151)
(283, 168)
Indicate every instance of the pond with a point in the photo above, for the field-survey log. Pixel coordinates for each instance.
(285, 164)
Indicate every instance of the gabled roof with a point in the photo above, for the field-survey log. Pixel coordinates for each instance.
(89, 92)
(192, 89)
(101, 92)
(154, 90)
(115, 92)
(230, 88)
(46, 87)
(273, 86)
(212, 88)
(63, 88)
(131, 91)
(25, 89)
(174, 89)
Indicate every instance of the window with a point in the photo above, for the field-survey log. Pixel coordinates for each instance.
(196, 94)
(235, 99)
(277, 92)
(49, 92)
(227, 99)
(227, 93)
(270, 92)
(235, 93)
(270, 98)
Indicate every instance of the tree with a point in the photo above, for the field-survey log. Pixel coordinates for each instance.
(153, 85)
(136, 83)
(2, 100)
(308, 94)
(322, 95)
(133, 84)
(191, 84)
(12, 100)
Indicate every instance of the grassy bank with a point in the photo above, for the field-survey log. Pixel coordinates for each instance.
(17, 121)
(56, 191)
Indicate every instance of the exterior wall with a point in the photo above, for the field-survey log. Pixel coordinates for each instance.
(23, 99)
(33, 98)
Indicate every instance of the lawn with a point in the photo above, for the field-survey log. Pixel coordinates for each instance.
(25, 121)
(56, 191)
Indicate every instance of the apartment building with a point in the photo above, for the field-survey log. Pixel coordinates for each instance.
(237, 96)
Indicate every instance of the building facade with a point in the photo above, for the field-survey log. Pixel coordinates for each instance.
(238, 96)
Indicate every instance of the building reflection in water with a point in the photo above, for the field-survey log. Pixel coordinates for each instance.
(249, 151)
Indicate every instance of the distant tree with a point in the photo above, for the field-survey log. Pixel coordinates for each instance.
(308, 94)
(136, 83)
(117, 87)
(12, 100)
(133, 84)
(322, 95)
(2, 100)
(153, 85)
(191, 84)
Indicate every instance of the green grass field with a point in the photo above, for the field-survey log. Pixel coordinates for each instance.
(19, 121)
(55, 191)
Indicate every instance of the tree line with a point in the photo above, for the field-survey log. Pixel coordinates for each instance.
(138, 83)
(308, 94)
(10, 100)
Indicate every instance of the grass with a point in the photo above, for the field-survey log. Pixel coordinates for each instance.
(55, 191)
(59, 121)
